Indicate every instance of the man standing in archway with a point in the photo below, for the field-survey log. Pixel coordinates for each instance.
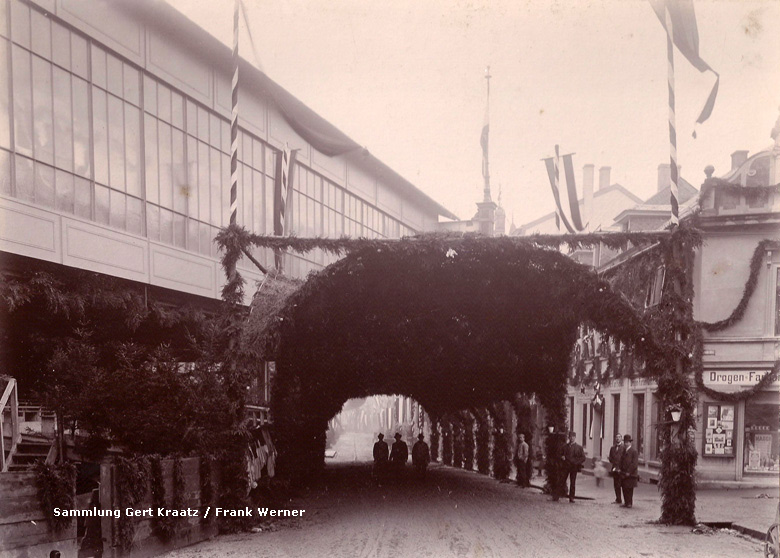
(574, 457)
(421, 456)
(380, 458)
(522, 457)
(614, 459)
(399, 455)
(629, 463)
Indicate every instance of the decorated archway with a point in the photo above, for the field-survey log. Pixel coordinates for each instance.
(457, 323)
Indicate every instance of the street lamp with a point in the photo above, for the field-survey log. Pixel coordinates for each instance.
(551, 429)
(676, 413)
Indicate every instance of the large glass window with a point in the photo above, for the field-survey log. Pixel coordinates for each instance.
(96, 137)
(762, 437)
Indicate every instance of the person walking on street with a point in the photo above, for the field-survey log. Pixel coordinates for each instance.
(381, 453)
(573, 457)
(421, 456)
(399, 454)
(614, 460)
(629, 475)
(522, 457)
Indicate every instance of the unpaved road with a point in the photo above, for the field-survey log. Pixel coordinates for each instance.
(462, 514)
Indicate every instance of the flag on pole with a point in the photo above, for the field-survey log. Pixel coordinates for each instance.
(681, 26)
(284, 182)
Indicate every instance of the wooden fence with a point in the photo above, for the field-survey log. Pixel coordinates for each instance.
(24, 531)
(189, 530)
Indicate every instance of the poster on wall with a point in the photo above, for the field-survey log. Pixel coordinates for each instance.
(719, 432)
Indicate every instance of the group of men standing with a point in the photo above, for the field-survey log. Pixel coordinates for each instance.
(625, 463)
(570, 458)
(395, 459)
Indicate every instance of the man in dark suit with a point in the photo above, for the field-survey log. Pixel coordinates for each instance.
(629, 475)
(381, 453)
(399, 455)
(573, 457)
(614, 460)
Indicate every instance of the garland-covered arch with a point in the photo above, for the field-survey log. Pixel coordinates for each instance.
(451, 321)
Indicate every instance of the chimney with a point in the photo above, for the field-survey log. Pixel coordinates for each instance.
(604, 177)
(737, 158)
(664, 176)
(587, 194)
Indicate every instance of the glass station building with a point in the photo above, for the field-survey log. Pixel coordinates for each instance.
(114, 151)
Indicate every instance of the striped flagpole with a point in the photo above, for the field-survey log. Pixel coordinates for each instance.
(674, 196)
(234, 123)
(556, 163)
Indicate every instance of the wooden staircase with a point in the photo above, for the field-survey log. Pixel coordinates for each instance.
(20, 451)
(29, 450)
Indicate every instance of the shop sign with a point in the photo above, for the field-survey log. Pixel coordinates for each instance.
(727, 378)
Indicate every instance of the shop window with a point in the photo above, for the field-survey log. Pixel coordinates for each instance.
(762, 426)
(719, 430)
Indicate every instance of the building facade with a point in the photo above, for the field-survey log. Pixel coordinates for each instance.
(115, 151)
(737, 441)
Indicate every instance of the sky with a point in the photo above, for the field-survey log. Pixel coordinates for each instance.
(405, 78)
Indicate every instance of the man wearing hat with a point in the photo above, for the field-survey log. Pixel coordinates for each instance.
(573, 457)
(421, 456)
(399, 454)
(629, 475)
(380, 457)
(614, 460)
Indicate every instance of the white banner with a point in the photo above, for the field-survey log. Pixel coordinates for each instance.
(729, 378)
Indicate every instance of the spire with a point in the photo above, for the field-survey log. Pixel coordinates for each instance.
(484, 140)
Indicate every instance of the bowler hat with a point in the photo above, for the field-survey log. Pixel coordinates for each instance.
(628, 438)
(380, 435)
(420, 436)
(397, 435)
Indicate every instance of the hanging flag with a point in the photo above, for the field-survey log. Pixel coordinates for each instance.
(284, 182)
(682, 27)
(571, 185)
(552, 173)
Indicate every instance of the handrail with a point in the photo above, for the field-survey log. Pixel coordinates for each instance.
(10, 390)
(7, 393)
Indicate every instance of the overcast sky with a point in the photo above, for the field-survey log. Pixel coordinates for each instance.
(405, 78)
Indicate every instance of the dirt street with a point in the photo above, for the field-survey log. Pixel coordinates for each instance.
(462, 514)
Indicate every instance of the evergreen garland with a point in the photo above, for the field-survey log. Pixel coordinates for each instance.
(162, 527)
(468, 441)
(132, 484)
(750, 286)
(502, 458)
(457, 441)
(483, 442)
(56, 485)
(434, 439)
(206, 487)
(446, 441)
